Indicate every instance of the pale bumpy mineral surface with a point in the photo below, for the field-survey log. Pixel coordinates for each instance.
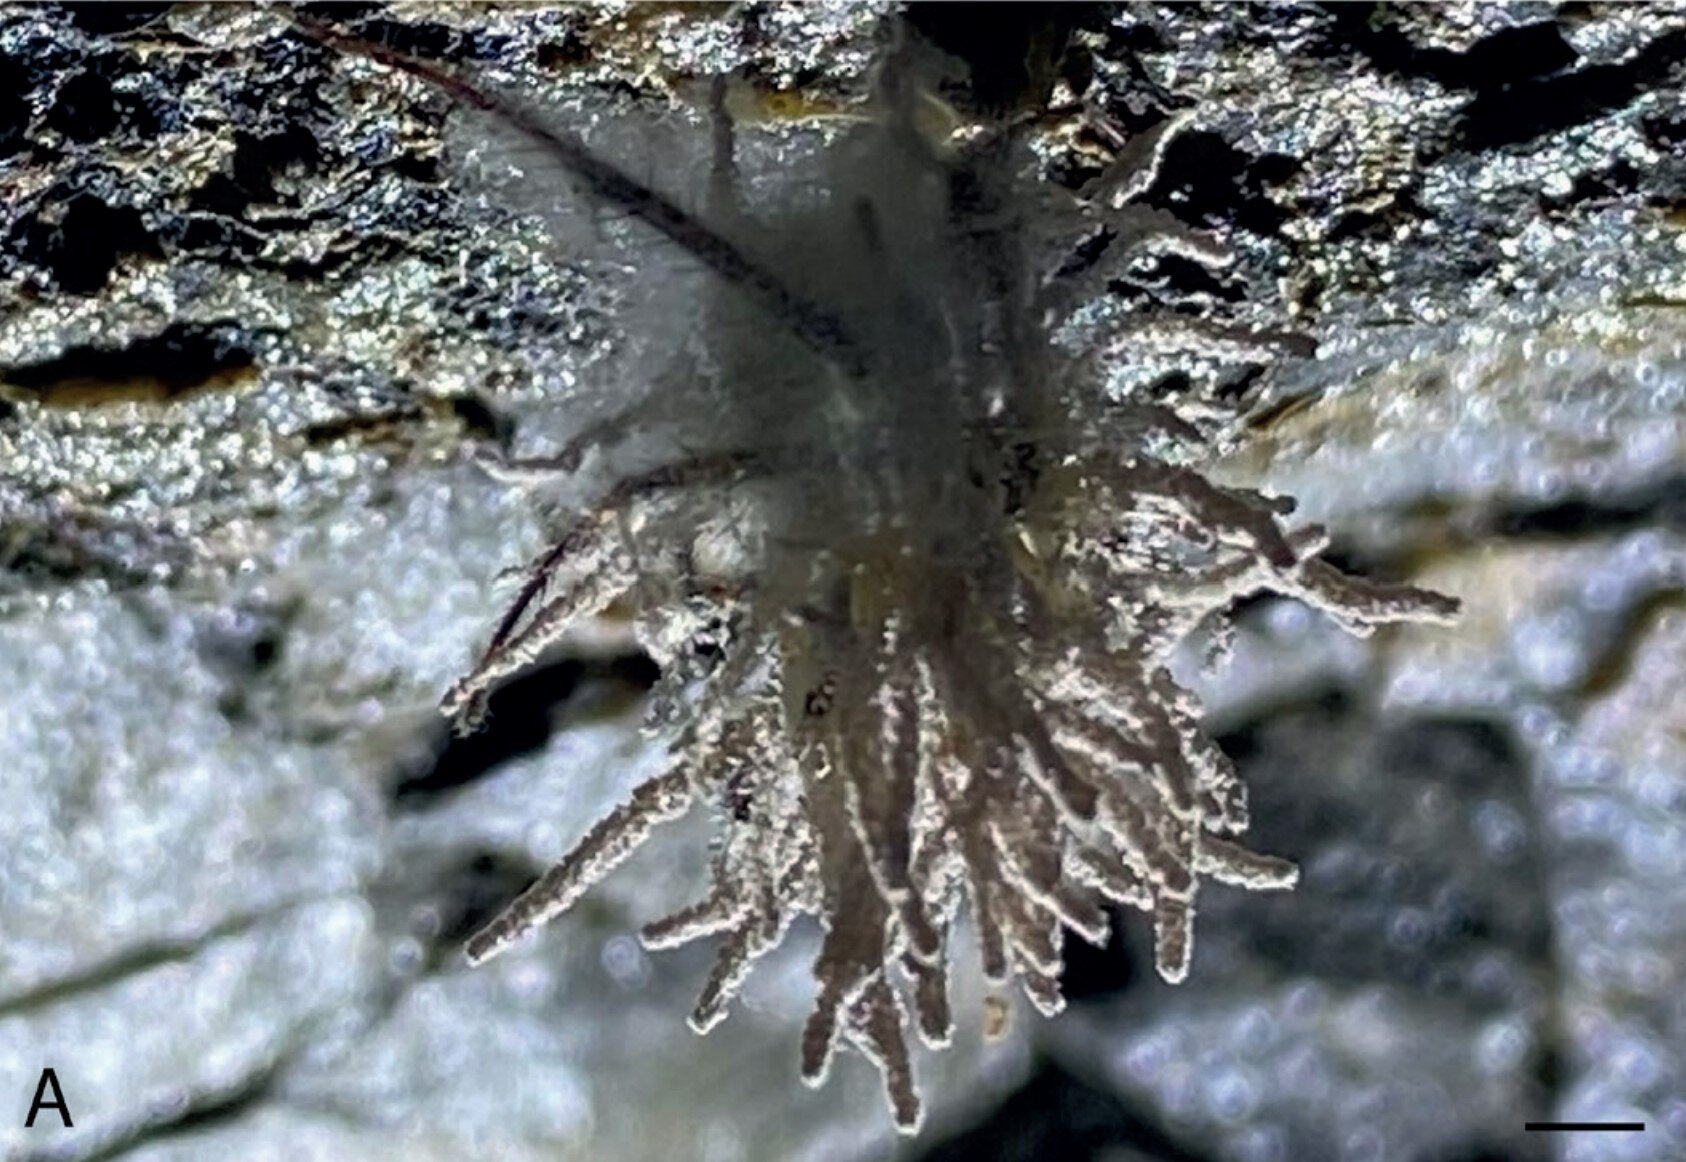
(264, 313)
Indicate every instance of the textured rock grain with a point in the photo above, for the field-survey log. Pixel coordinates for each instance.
(263, 310)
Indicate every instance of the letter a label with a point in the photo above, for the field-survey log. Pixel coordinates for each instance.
(49, 1085)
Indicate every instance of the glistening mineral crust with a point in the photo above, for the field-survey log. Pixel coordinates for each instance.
(262, 317)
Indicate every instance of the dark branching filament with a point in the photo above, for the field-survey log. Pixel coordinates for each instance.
(914, 604)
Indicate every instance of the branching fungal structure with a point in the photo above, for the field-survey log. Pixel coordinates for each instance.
(914, 587)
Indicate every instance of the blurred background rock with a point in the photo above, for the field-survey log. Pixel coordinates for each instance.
(261, 316)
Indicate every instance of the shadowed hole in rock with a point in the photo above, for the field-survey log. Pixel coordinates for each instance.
(112, 16)
(79, 243)
(1412, 883)
(1493, 62)
(180, 360)
(1658, 503)
(522, 715)
(481, 420)
(85, 108)
(1206, 180)
(1057, 1115)
(1012, 56)
(1092, 973)
(16, 81)
(1169, 274)
(472, 892)
(1529, 109)
(248, 177)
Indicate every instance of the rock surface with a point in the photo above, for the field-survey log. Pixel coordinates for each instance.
(264, 311)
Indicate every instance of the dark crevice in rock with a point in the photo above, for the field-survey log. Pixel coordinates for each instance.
(481, 420)
(84, 110)
(503, 312)
(368, 250)
(468, 417)
(1613, 661)
(471, 894)
(519, 721)
(103, 97)
(90, 106)
(1616, 182)
(1092, 973)
(1057, 1115)
(1241, 741)
(1170, 278)
(1531, 108)
(367, 427)
(216, 237)
(1666, 130)
(1206, 180)
(33, 553)
(422, 39)
(59, 544)
(253, 652)
(1132, 96)
(40, 50)
(568, 50)
(180, 360)
(1390, 564)
(248, 177)
(1362, 869)
(1657, 504)
(16, 82)
(1087, 252)
(79, 241)
(1012, 56)
(1500, 59)
(216, 1108)
(205, 1108)
(111, 16)
(521, 717)
(139, 959)
(242, 644)
(1401, 207)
